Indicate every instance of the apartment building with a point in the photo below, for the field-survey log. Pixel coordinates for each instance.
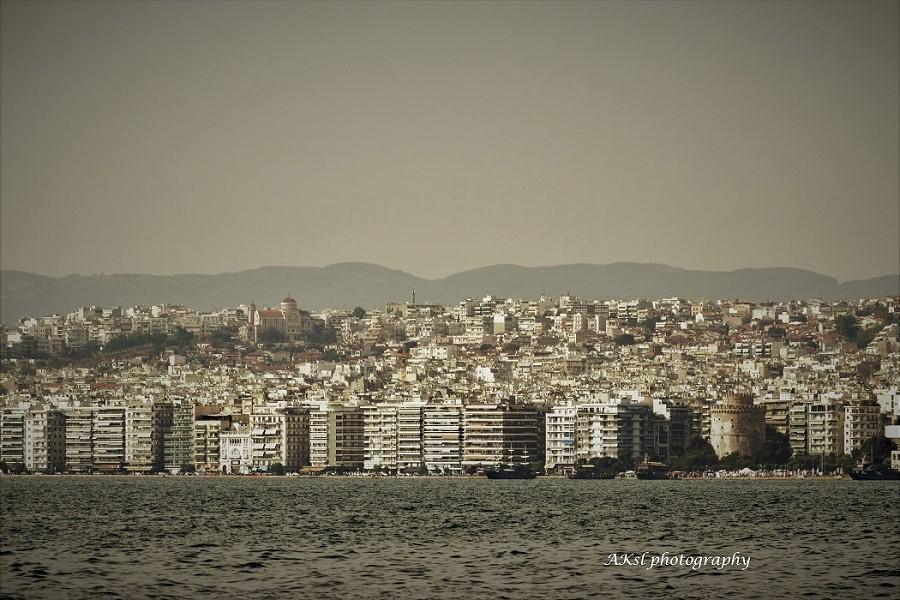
(442, 440)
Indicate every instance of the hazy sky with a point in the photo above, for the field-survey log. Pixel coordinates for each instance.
(210, 137)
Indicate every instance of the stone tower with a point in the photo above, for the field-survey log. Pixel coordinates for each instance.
(737, 425)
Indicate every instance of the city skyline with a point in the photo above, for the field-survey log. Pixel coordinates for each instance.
(434, 138)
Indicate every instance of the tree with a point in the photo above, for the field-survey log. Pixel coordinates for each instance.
(698, 456)
(776, 451)
(187, 468)
(276, 469)
(649, 327)
(734, 461)
(865, 336)
(847, 326)
(625, 339)
(510, 348)
(875, 449)
(222, 336)
(182, 337)
(358, 313)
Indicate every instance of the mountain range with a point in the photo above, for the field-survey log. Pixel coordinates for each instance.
(346, 285)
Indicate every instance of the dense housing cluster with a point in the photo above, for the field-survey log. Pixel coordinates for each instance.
(424, 388)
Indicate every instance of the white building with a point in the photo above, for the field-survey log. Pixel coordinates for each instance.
(12, 435)
(560, 438)
(138, 437)
(80, 438)
(44, 441)
(619, 428)
(392, 436)
(109, 438)
(235, 451)
(442, 437)
(825, 427)
(862, 421)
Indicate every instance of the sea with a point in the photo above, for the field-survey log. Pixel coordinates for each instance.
(349, 537)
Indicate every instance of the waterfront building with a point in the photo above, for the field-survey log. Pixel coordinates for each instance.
(737, 426)
(410, 455)
(162, 414)
(45, 440)
(236, 451)
(138, 437)
(336, 436)
(862, 421)
(619, 428)
(12, 435)
(80, 439)
(560, 438)
(778, 413)
(296, 438)
(178, 440)
(267, 431)
(442, 440)
(109, 438)
(825, 426)
(207, 444)
(380, 437)
(392, 437)
(504, 433)
(680, 421)
(797, 427)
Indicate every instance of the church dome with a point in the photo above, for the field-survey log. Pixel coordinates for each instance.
(288, 304)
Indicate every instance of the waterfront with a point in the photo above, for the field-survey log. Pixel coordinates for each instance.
(80, 537)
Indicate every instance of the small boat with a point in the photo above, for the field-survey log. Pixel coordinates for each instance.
(652, 470)
(591, 473)
(511, 472)
(874, 472)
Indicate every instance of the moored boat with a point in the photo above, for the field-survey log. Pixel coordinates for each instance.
(591, 473)
(652, 470)
(511, 472)
(874, 472)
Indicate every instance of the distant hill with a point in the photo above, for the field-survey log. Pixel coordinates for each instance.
(346, 285)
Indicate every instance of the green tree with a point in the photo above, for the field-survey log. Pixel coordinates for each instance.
(847, 326)
(182, 337)
(775, 451)
(734, 461)
(358, 313)
(510, 348)
(698, 456)
(875, 449)
(187, 468)
(276, 469)
(625, 339)
(865, 336)
(222, 336)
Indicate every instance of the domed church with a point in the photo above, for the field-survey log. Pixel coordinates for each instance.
(288, 320)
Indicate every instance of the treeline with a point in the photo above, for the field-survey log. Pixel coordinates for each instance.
(849, 327)
(775, 453)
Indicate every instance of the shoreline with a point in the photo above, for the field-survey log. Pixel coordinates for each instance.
(405, 477)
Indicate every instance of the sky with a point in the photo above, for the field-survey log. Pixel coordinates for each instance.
(173, 137)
